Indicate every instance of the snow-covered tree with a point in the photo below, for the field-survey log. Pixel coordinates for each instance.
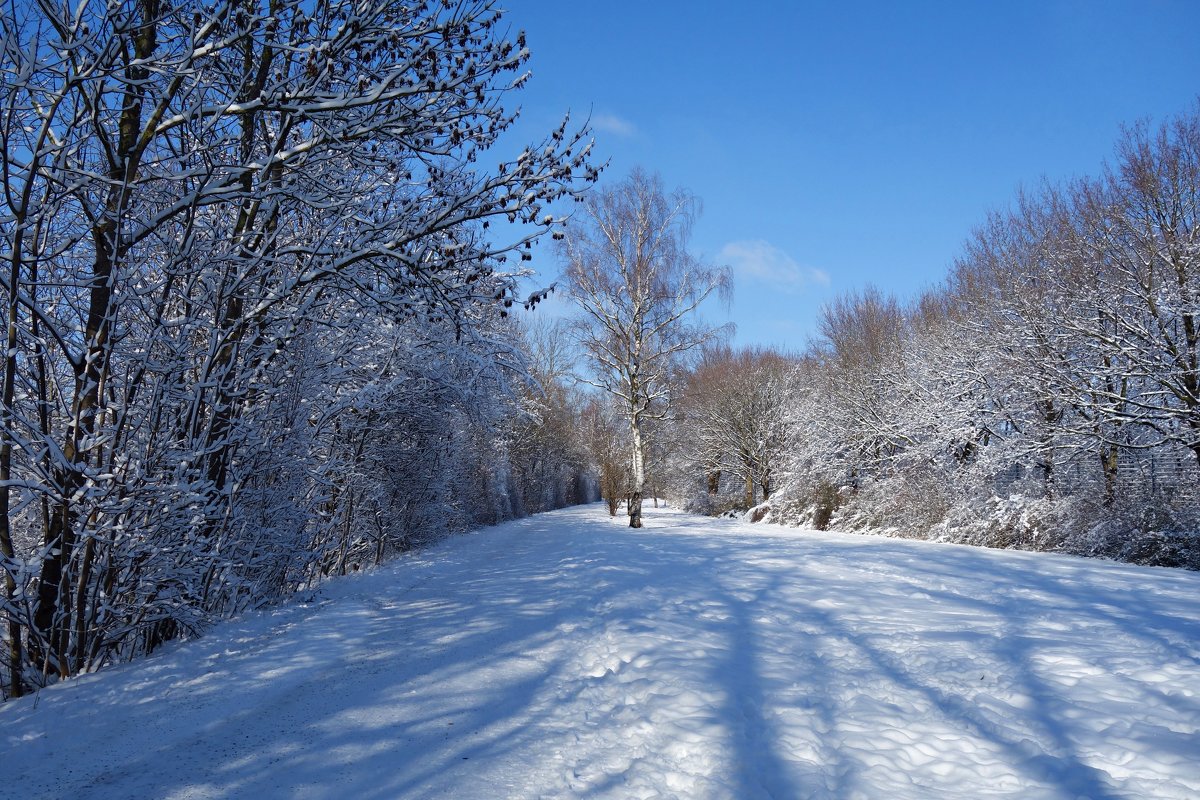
(214, 213)
(548, 443)
(637, 287)
(1046, 395)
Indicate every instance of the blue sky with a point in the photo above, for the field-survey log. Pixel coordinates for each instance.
(840, 144)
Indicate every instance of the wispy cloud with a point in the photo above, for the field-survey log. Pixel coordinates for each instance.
(759, 260)
(611, 123)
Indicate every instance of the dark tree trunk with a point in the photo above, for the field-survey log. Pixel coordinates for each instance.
(635, 509)
(1108, 462)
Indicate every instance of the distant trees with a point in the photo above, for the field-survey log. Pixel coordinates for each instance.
(606, 436)
(550, 443)
(636, 285)
(252, 285)
(730, 420)
(1045, 396)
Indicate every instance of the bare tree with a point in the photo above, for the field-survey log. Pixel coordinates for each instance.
(1047, 395)
(548, 443)
(733, 421)
(604, 433)
(630, 273)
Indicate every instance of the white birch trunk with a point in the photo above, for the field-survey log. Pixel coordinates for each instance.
(638, 476)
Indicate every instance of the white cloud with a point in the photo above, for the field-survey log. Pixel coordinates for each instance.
(759, 260)
(611, 123)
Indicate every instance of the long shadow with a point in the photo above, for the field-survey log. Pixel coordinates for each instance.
(1083, 588)
(1060, 766)
(1104, 588)
(496, 623)
(404, 686)
(760, 767)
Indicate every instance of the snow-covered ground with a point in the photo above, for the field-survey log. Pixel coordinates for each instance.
(568, 656)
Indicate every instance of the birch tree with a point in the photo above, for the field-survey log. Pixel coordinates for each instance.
(638, 288)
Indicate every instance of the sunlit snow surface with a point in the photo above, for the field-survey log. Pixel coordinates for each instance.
(568, 656)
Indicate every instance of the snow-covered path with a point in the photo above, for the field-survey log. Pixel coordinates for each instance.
(567, 656)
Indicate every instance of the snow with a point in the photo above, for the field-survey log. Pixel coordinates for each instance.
(566, 655)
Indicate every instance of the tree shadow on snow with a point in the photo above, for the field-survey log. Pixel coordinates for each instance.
(442, 675)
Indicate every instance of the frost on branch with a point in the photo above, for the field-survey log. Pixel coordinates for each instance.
(246, 246)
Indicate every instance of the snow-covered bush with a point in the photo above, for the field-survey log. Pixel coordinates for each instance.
(248, 239)
(1044, 397)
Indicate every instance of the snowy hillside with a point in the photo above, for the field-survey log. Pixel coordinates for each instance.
(568, 656)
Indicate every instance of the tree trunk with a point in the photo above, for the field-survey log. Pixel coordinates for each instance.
(638, 476)
(52, 621)
(15, 656)
(1108, 462)
(610, 488)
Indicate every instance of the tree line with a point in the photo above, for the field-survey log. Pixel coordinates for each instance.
(1046, 395)
(256, 281)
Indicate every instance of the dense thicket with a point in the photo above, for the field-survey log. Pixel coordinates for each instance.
(729, 430)
(254, 305)
(1047, 396)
